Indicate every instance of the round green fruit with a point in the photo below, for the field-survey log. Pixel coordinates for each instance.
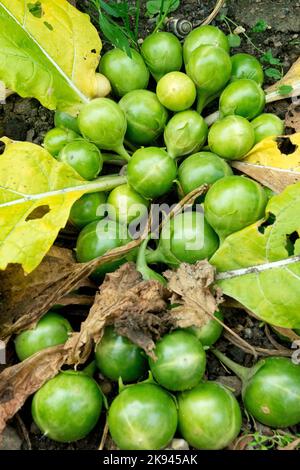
(244, 98)
(146, 117)
(176, 91)
(117, 357)
(209, 333)
(162, 53)
(125, 205)
(89, 208)
(209, 416)
(124, 73)
(231, 137)
(57, 138)
(201, 168)
(267, 125)
(66, 121)
(246, 66)
(67, 407)
(180, 363)
(204, 36)
(142, 417)
(52, 329)
(84, 157)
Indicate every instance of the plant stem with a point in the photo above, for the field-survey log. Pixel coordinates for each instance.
(103, 183)
(163, 16)
(211, 118)
(143, 268)
(152, 256)
(241, 371)
(122, 152)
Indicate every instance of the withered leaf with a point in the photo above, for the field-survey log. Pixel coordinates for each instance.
(292, 117)
(23, 379)
(193, 293)
(276, 179)
(25, 299)
(126, 301)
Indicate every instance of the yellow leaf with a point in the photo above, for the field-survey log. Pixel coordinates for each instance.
(267, 153)
(291, 78)
(48, 50)
(28, 229)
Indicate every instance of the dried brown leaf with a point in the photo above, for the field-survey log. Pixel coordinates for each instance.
(23, 379)
(193, 293)
(128, 302)
(25, 299)
(276, 179)
(292, 117)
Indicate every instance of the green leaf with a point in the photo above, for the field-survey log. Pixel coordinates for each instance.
(272, 294)
(154, 7)
(273, 73)
(234, 40)
(285, 89)
(114, 34)
(49, 51)
(259, 27)
(268, 58)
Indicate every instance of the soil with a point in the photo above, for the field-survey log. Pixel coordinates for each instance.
(26, 119)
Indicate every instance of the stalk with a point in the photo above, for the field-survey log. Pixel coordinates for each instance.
(241, 371)
(120, 149)
(143, 268)
(153, 256)
(103, 183)
(212, 118)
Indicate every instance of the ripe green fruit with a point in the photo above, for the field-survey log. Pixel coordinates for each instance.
(117, 357)
(87, 209)
(103, 122)
(233, 203)
(185, 133)
(57, 138)
(96, 239)
(246, 66)
(151, 172)
(271, 389)
(146, 116)
(209, 416)
(125, 205)
(67, 407)
(84, 157)
(204, 36)
(180, 362)
(231, 138)
(142, 417)
(201, 168)
(66, 121)
(162, 53)
(187, 238)
(267, 125)
(124, 73)
(209, 67)
(209, 333)
(242, 97)
(52, 329)
(176, 91)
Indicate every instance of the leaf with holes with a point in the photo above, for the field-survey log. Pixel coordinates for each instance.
(272, 294)
(28, 233)
(274, 162)
(49, 51)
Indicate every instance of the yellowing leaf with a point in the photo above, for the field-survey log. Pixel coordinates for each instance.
(28, 229)
(48, 50)
(267, 153)
(272, 294)
(291, 78)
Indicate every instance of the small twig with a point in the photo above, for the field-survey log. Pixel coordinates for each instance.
(291, 446)
(24, 431)
(214, 13)
(255, 351)
(104, 436)
(276, 345)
